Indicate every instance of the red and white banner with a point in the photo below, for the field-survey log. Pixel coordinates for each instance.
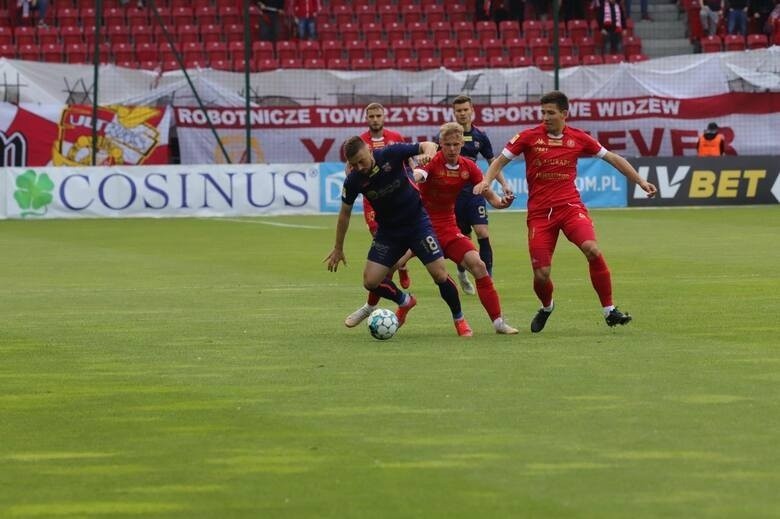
(640, 126)
(57, 135)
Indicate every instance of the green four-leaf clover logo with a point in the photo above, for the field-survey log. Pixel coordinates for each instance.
(33, 193)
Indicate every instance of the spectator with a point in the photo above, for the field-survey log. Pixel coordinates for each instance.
(25, 8)
(642, 7)
(270, 23)
(573, 10)
(759, 11)
(710, 14)
(711, 143)
(737, 20)
(305, 12)
(773, 20)
(612, 20)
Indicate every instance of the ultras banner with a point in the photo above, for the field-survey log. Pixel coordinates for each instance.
(159, 191)
(61, 135)
(633, 127)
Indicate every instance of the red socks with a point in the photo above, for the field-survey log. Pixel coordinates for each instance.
(601, 280)
(489, 297)
(544, 291)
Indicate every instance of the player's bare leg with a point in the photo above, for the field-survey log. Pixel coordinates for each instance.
(449, 292)
(403, 272)
(601, 279)
(488, 295)
(360, 315)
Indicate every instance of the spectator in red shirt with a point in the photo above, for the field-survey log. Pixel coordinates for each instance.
(305, 12)
(551, 151)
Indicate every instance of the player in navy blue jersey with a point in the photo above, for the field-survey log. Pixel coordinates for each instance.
(403, 223)
(470, 209)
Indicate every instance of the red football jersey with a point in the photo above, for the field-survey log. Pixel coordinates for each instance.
(443, 185)
(551, 164)
(388, 137)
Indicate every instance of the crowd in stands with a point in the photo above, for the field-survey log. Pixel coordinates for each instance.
(356, 35)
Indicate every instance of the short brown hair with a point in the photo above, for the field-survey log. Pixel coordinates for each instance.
(557, 98)
(462, 99)
(374, 106)
(352, 146)
(450, 128)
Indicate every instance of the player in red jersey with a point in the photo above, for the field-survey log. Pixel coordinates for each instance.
(377, 137)
(551, 151)
(441, 181)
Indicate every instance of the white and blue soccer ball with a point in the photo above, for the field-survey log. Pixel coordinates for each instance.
(382, 324)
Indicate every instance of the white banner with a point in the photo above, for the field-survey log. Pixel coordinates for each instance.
(161, 191)
(634, 127)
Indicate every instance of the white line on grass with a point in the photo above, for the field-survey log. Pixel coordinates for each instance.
(275, 224)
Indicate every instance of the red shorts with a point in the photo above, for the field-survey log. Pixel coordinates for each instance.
(454, 243)
(572, 219)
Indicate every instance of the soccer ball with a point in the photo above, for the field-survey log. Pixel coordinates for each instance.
(382, 324)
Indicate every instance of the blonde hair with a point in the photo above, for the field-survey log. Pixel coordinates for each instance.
(450, 129)
(374, 106)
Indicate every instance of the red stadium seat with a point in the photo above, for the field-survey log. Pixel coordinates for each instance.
(508, 29)
(6, 35)
(261, 65)
(349, 31)
(29, 52)
(286, 49)
(338, 64)
(124, 52)
(636, 58)
(291, 63)
(585, 46)
(499, 62)
(147, 52)
(229, 15)
(8, 50)
(361, 64)
(493, 47)
(565, 46)
(206, 15)
(355, 49)
(544, 62)
(569, 61)
(435, 13)
(260, 49)
(448, 49)
(577, 29)
(476, 62)
(314, 64)
(515, 46)
(757, 41)
(365, 14)
(539, 47)
(417, 30)
(532, 29)
(216, 51)
(453, 63)
(485, 29)
(463, 30)
(342, 14)
(24, 35)
(591, 59)
(632, 45)
(378, 48)
(388, 14)
(186, 33)
(711, 43)
(457, 12)
(383, 63)
(71, 35)
(331, 49)
(327, 31)
(612, 59)
(373, 31)
(395, 31)
(67, 16)
(732, 42)
(113, 15)
(309, 49)
(210, 32)
(411, 13)
(402, 48)
(427, 63)
(76, 53)
(52, 52)
(425, 49)
(441, 30)
(471, 48)
(407, 64)
(221, 64)
(48, 35)
(521, 61)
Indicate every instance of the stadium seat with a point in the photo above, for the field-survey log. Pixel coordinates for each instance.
(585, 46)
(591, 59)
(539, 47)
(499, 62)
(365, 14)
(395, 31)
(260, 49)
(565, 46)
(361, 64)
(435, 13)
(67, 15)
(76, 53)
(124, 52)
(355, 49)
(612, 59)
(476, 62)
(577, 29)
(453, 63)
(569, 61)
(314, 63)
(632, 45)
(425, 49)
(338, 64)
(186, 33)
(328, 31)
(342, 14)
(137, 18)
(48, 35)
(291, 63)
(493, 47)
(428, 63)
(286, 49)
(441, 30)
(372, 31)
(113, 16)
(401, 49)
(8, 50)
(471, 48)
(233, 32)
(732, 42)
(210, 32)
(261, 65)
(457, 12)
(388, 14)
(87, 16)
(308, 49)
(544, 62)
(146, 52)
(417, 30)
(463, 30)
(485, 29)
(331, 49)
(757, 41)
(24, 35)
(221, 64)
(29, 52)
(216, 51)
(229, 15)
(636, 58)
(532, 29)
(448, 49)
(6, 35)
(52, 52)
(206, 15)
(378, 48)
(508, 29)
(71, 35)
(407, 64)
(515, 47)
(711, 43)
(383, 63)
(410, 13)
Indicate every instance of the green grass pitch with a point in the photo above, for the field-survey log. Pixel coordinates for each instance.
(200, 368)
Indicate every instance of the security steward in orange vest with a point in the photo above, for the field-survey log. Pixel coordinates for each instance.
(711, 143)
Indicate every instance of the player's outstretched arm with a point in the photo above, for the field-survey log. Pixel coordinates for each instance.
(336, 256)
(630, 173)
(499, 202)
(493, 170)
(427, 150)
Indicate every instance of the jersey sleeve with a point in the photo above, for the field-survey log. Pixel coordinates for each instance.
(349, 190)
(591, 146)
(487, 148)
(515, 147)
(400, 152)
(475, 174)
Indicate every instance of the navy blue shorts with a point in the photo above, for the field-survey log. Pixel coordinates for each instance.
(470, 210)
(390, 244)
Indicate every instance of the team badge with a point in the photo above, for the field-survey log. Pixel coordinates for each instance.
(464, 175)
(570, 143)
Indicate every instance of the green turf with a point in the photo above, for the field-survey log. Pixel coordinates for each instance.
(200, 368)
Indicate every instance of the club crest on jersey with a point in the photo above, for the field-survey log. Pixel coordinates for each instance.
(570, 143)
(464, 175)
